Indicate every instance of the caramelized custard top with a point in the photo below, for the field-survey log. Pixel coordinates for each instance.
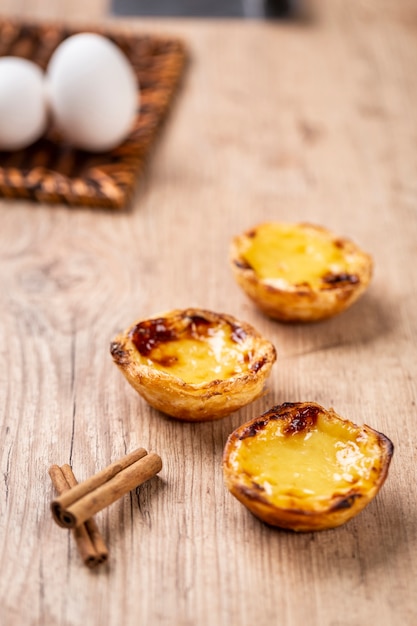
(300, 454)
(194, 348)
(285, 255)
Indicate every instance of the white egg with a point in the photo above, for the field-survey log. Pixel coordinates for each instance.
(23, 108)
(93, 92)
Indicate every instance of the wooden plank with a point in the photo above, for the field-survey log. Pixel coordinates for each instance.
(312, 121)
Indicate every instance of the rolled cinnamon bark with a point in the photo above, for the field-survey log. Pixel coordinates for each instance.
(96, 493)
(89, 524)
(59, 505)
(88, 539)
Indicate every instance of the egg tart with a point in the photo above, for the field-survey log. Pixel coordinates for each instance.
(302, 467)
(299, 272)
(193, 364)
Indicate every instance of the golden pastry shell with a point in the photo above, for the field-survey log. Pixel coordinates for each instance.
(322, 513)
(203, 401)
(302, 303)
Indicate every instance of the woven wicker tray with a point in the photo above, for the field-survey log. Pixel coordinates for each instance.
(52, 171)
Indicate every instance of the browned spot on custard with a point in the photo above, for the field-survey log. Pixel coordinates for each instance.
(238, 334)
(346, 502)
(198, 327)
(343, 277)
(274, 413)
(254, 428)
(166, 360)
(243, 264)
(301, 420)
(149, 334)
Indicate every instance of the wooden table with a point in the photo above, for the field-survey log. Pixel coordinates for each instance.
(290, 121)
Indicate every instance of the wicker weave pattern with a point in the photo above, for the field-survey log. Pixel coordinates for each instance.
(51, 170)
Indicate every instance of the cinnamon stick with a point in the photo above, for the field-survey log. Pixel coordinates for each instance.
(82, 501)
(59, 505)
(90, 524)
(88, 539)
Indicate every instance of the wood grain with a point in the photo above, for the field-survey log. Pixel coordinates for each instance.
(313, 121)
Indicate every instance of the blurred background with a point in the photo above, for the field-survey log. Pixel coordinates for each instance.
(206, 8)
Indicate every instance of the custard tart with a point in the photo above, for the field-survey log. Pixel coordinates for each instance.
(304, 468)
(299, 272)
(193, 364)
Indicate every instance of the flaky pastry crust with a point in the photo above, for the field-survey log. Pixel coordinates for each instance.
(304, 300)
(304, 468)
(164, 358)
